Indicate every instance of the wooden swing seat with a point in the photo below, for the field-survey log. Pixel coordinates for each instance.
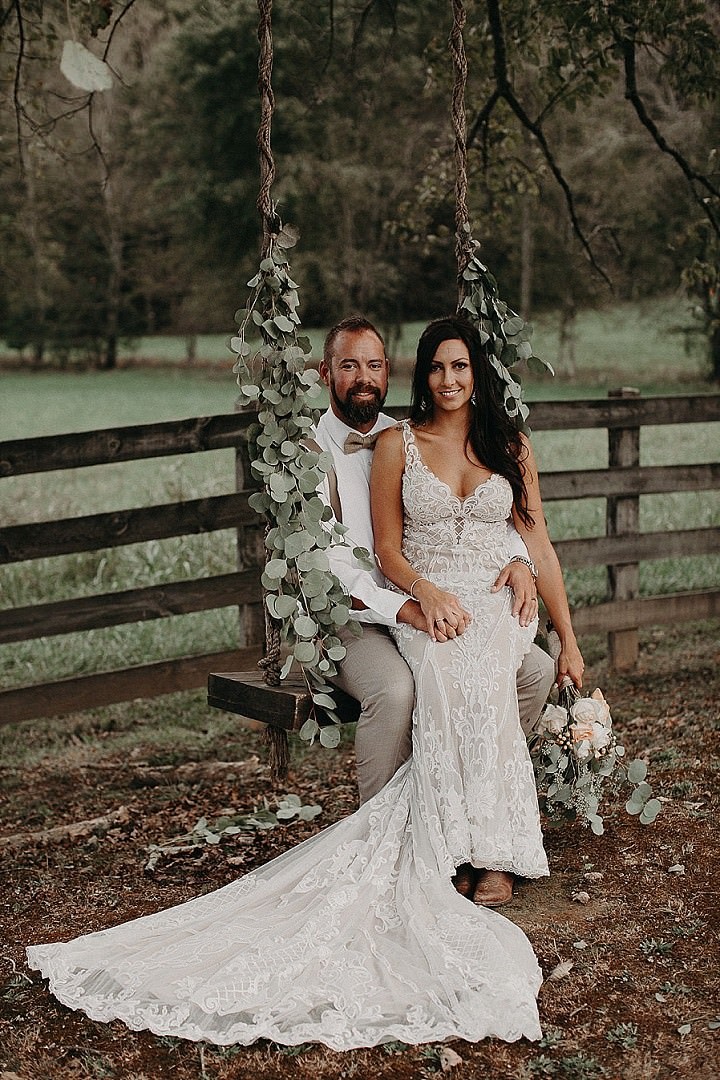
(286, 706)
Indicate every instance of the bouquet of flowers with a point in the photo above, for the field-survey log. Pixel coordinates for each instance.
(574, 752)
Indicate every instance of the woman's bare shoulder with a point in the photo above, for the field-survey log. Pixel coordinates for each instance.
(390, 437)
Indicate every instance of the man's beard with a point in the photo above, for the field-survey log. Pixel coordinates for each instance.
(359, 414)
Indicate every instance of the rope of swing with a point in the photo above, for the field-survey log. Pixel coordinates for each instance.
(270, 663)
(463, 238)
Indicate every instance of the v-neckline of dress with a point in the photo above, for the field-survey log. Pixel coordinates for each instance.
(461, 499)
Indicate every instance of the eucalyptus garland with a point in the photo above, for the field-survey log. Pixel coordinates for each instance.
(506, 331)
(304, 598)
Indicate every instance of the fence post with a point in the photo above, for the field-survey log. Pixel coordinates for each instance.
(250, 551)
(623, 519)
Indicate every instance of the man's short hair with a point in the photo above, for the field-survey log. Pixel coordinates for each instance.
(353, 324)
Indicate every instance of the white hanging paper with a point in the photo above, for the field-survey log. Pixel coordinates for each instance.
(83, 69)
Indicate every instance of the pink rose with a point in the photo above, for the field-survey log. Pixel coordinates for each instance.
(582, 729)
(604, 714)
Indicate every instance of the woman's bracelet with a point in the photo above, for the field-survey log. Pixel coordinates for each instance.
(410, 590)
(526, 562)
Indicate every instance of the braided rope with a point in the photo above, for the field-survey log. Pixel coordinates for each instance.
(463, 240)
(270, 663)
(267, 108)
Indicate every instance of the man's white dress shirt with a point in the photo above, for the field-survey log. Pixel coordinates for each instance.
(353, 482)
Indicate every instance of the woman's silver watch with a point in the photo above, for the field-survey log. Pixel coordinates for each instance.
(527, 562)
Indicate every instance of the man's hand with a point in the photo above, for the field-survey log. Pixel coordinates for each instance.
(570, 664)
(518, 577)
(411, 613)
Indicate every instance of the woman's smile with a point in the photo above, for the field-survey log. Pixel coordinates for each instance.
(450, 378)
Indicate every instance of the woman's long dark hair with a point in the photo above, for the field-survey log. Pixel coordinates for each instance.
(494, 438)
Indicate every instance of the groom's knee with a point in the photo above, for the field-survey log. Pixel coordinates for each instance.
(534, 683)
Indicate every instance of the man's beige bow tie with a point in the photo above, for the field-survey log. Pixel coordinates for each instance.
(355, 441)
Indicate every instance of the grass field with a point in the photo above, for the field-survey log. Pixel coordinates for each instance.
(50, 402)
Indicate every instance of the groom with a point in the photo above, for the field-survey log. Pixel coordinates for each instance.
(355, 370)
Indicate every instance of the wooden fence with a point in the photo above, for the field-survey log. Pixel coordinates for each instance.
(621, 549)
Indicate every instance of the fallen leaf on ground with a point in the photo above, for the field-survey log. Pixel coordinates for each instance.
(563, 968)
(448, 1058)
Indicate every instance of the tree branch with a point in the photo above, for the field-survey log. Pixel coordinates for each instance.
(504, 90)
(331, 41)
(17, 104)
(114, 27)
(632, 94)
(483, 116)
(6, 14)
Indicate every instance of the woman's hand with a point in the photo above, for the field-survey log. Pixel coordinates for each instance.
(445, 616)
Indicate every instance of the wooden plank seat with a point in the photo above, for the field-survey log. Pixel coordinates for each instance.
(286, 706)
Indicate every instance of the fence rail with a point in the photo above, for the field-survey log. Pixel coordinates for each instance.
(620, 550)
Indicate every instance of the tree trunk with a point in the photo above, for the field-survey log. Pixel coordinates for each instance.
(714, 350)
(567, 334)
(527, 254)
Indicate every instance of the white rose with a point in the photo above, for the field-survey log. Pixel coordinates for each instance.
(584, 711)
(588, 711)
(554, 719)
(601, 736)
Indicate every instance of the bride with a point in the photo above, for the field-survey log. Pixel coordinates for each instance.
(358, 936)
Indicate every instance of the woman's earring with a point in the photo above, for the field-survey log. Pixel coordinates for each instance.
(473, 399)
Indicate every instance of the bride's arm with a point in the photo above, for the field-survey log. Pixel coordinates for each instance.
(445, 617)
(550, 583)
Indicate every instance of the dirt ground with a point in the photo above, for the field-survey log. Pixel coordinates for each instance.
(637, 995)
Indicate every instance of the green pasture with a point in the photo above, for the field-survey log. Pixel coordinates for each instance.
(652, 344)
(50, 402)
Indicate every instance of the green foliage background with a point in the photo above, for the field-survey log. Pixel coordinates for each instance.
(135, 213)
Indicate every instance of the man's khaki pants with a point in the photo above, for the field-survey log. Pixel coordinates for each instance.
(374, 673)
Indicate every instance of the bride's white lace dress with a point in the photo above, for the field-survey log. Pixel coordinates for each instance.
(357, 936)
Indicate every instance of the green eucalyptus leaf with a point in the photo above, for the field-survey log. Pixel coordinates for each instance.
(304, 652)
(276, 568)
(305, 627)
(313, 560)
(650, 811)
(270, 599)
(324, 701)
(513, 325)
(330, 737)
(340, 614)
(309, 729)
(299, 542)
(259, 502)
(637, 771)
(285, 606)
